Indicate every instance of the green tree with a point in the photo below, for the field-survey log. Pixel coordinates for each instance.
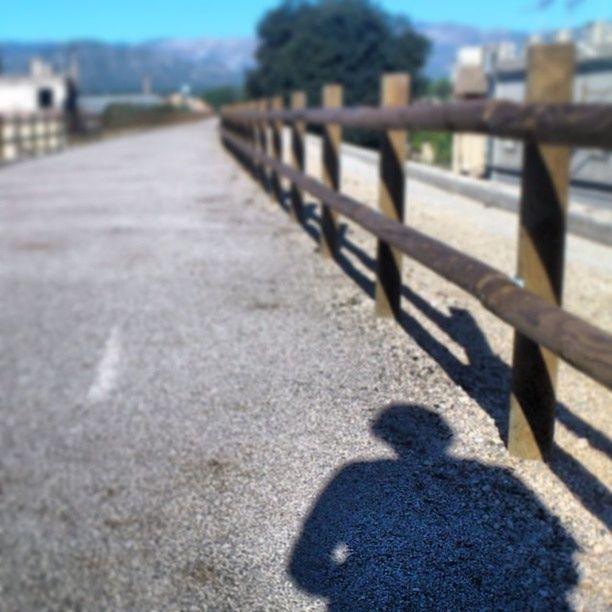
(306, 44)
(225, 94)
(440, 88)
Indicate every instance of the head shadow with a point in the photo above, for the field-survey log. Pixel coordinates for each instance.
(411, 430)
(425, 530)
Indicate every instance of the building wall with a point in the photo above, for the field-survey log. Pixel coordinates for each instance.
(21, 94)
(591, 169)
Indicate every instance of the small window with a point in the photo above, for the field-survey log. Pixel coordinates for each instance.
(45, 98)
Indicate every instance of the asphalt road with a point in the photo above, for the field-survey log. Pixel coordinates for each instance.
(199, 413)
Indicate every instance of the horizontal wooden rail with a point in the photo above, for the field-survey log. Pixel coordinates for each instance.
(548, 125)
(579, 343)
(31, 116)
(576, 125)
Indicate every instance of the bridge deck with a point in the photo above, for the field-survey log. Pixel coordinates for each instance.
(200, 412)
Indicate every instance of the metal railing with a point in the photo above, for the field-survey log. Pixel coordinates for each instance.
(547, 124)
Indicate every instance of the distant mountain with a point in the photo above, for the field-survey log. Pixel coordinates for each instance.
(204, 62)
(234, 54)
(118, 67)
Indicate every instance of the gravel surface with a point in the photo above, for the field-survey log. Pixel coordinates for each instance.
(201, 413)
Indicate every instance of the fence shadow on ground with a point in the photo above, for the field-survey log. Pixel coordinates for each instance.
(427, 531)
(485, 378)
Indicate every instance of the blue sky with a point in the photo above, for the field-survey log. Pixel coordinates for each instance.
(137, 20)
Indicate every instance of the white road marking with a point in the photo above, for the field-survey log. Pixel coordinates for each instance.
(108, 369)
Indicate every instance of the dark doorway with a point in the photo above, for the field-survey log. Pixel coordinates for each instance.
(45, 97)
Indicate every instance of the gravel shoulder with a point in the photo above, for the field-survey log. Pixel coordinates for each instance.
(199, 412)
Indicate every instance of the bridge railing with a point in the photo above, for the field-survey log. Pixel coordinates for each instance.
(530, 302)
(30, 134)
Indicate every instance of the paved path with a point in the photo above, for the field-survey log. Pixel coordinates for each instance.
(199, 413)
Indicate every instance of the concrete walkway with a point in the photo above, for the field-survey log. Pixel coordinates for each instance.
(200, 413)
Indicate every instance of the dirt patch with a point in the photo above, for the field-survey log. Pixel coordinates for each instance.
(34, 246)
(257, 305)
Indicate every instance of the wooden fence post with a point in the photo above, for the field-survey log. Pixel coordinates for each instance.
(245, 133)
(394, 92)
(18, 127)
(262, 132)
(223, 123)
(252, 138)
(277, 148)
(332, 137)
(48, 129)
(298, 132)
(543, 212)
(237, 129)
(255, 142)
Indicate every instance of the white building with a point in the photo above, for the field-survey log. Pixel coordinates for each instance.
(40, 90)
(499, 72)
(32, 112)
(591, 169)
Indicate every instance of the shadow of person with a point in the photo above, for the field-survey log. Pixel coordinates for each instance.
(484, 376)
(428, 531)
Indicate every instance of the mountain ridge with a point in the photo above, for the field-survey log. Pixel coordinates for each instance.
(170, 63)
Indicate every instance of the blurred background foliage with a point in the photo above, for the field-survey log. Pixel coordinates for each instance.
(127, 116)
(216, 97)
(306, 44)
(440, 147)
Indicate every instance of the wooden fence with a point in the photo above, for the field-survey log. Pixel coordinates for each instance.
(547, 123)
(30, 134)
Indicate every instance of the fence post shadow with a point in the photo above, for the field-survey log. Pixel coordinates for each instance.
(592, 493)
(426, 530)
(484, 375)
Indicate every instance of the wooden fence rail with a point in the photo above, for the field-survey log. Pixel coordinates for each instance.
(578, 125)
(532, 305)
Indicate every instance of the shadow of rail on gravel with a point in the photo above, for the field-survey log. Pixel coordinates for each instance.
(428, 531)
(484, 377)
